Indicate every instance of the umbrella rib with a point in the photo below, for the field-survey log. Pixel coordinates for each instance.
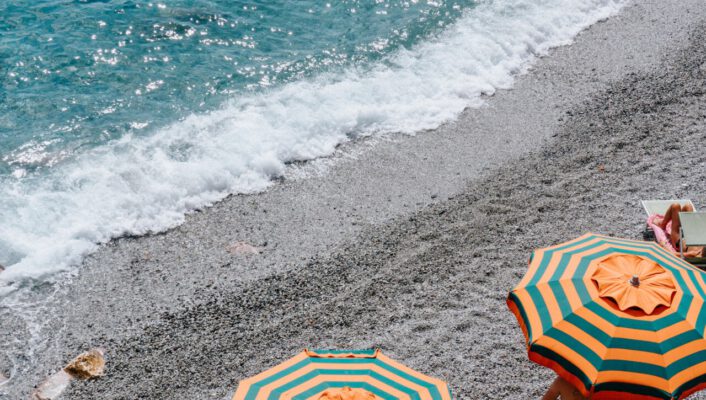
(660, 355)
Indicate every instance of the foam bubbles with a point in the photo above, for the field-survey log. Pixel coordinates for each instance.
(138, 185)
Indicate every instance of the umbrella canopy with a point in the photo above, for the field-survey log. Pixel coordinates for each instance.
(616, 318)
(341, 375)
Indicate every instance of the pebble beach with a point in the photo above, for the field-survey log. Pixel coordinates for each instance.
(406, 243)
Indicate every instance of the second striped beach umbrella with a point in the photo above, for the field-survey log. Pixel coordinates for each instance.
(616, 318)
(341, 374)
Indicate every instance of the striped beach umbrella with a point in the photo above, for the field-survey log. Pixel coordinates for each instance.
(616, 318)
(341, 375)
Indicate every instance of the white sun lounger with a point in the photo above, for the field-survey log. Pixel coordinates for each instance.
(660, 206)
(692, 229)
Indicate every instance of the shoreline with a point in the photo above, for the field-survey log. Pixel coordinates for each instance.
(136, 292)
(146, 182)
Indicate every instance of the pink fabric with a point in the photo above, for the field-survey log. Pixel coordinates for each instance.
(661, 235)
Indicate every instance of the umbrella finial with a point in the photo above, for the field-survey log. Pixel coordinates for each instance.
(635, 280)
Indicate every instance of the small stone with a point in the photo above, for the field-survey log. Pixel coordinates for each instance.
(87, 365)
(243, 248)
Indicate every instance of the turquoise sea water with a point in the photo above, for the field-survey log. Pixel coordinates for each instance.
(119, 117)
(77, 74)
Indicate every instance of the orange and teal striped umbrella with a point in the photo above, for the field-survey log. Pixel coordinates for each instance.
(332, 374)
(616, 318)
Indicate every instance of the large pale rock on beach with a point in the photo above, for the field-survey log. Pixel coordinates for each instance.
(90, 364)
(53, 386)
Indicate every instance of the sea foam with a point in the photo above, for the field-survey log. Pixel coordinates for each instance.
(138, 185)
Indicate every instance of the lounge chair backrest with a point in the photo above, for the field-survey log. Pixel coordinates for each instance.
(660, 206)
(693, 226)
